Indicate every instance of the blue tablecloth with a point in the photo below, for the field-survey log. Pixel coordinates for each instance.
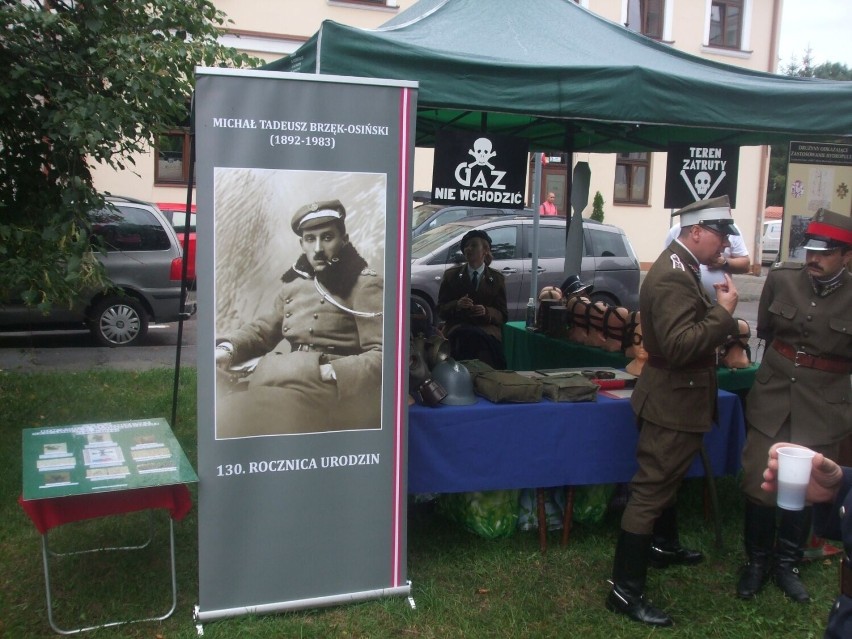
(487, 446)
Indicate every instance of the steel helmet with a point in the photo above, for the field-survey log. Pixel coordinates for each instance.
(456, 380)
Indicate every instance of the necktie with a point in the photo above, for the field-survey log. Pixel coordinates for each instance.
(475, 279)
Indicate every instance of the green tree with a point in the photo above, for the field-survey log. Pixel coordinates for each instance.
(86, 83)
(777, 178)
(597, 207)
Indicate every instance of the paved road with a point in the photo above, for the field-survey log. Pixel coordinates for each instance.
(76, 350)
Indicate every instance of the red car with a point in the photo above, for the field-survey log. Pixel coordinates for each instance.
(176, 214)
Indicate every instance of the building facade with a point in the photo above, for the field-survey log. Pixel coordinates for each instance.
(738, 32)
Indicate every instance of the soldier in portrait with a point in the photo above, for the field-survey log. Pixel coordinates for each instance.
(319, 350)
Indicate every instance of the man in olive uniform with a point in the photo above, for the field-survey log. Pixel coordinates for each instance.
(674, 398)
(320, 347)
(801, 392)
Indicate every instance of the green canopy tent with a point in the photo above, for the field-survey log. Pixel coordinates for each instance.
(562, 77)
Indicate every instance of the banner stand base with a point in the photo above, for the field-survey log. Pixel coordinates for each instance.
(299, 604)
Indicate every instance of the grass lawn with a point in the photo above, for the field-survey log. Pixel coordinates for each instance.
(463, 585)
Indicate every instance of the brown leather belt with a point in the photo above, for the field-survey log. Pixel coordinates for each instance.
(801, 358)
(657, 361)
(845, 577)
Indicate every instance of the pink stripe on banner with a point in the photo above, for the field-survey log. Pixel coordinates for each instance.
(401, 367)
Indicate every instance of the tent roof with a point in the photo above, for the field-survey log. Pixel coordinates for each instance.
(563, 77)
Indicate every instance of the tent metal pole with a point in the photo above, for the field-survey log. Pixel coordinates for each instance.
(536, 215)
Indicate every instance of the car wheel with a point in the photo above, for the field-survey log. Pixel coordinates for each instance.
(422, 310)
(119, 321)
(606, 298)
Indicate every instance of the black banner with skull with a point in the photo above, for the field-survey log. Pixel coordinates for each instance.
(481, 169)
(699, 171)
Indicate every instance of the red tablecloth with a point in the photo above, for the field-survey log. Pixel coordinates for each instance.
(49, 513)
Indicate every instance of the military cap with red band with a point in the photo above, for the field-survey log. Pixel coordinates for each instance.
(828, 230)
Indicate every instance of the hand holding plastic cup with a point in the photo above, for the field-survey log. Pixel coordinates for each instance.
(794, 472)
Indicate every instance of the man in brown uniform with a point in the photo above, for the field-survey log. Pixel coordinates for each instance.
(801, 392)
(674, 398)
(320, 347)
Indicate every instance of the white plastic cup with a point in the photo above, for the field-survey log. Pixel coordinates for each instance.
(794, 472)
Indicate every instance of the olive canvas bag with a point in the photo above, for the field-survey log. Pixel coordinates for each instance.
(508, 386)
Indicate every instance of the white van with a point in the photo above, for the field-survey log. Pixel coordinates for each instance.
(770, 241)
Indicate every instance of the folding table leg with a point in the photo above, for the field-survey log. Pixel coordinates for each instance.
(45, 553)
(145, 544)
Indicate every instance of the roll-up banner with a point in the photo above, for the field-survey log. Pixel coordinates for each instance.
(304, 203)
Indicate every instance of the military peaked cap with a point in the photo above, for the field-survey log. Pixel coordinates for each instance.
(317, 214)
(828, 230)
(714, 213)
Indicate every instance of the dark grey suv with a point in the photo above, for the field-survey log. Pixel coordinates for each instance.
(144, 262)
(608, 260)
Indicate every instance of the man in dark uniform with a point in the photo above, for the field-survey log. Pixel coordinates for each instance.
(801, 392)
(674, 398)
(320, 347)
(472, 302)
(830, 489)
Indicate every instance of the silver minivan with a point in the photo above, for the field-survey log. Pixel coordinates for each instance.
(143, 260)
(608, 260)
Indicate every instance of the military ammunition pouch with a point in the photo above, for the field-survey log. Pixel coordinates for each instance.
(508, 386)
(570, 388)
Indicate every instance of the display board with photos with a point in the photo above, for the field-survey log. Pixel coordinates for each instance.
(82, 459)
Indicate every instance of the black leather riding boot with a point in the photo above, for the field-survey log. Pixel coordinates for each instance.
(758, 538)
(793, 530)
(665, 545)
(629, 572)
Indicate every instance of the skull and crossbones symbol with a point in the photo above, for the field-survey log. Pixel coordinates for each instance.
(702, 182)
(481, 153)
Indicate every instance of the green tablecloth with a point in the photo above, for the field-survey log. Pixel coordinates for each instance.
(529, 351)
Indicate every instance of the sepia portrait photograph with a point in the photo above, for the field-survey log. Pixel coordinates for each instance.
(299, 290)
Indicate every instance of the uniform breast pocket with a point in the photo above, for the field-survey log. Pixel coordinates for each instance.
(783, 309)
(841, 326)
(838, 340)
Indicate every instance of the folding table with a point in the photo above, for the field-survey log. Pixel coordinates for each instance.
(86, 471)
